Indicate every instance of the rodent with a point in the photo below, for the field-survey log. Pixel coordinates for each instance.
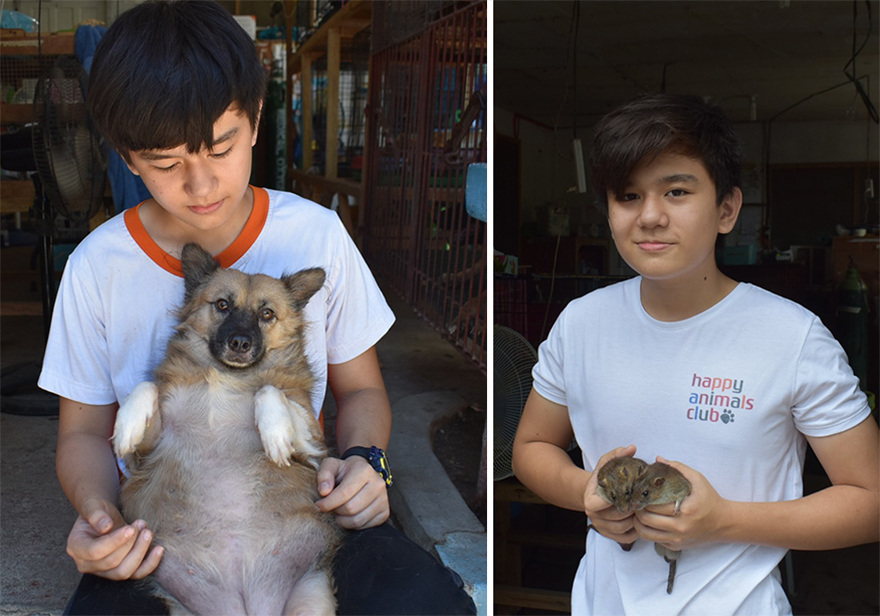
(616, 479)
(661, 484)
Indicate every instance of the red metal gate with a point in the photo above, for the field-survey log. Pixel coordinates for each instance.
(427, 110)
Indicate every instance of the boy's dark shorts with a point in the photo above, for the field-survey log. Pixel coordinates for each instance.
(377, 571)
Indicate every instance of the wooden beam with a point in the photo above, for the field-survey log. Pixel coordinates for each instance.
(29, 44)
(355, 13)
(331, 143)
(16, 113)
(16, 196)
(511, 490)
(337, 185)
(368, 137)
(306, 83)
(21, 309)
(289, 6)
(535, 598)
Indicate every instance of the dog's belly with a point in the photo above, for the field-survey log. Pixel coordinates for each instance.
(238, 530)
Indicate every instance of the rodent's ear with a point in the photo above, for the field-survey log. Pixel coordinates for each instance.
(659, 481)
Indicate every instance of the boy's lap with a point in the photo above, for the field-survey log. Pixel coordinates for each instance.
(377, 571)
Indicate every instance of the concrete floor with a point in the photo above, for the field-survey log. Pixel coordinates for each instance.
(425, 376)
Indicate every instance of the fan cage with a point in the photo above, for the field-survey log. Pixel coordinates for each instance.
(514, 359)
(67, 152)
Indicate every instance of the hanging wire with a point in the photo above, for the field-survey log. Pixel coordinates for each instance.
(850, 76)
(570, 60)
(872, 111)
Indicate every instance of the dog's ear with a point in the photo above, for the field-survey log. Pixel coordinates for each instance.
(303, 285)
(198, 264)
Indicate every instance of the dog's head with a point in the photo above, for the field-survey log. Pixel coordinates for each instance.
(242, 317)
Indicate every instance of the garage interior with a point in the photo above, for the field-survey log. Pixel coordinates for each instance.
(800, 82)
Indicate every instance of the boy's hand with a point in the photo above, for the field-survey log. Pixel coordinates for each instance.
(700, 520)
(101, 543)
(354, 492)
(604, 516)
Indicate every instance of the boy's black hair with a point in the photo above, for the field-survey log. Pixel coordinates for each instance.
(166, 70)
(655, 123)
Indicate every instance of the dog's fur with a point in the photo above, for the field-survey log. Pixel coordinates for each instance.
(224, 447)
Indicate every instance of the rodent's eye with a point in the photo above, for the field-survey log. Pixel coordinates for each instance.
(267, 314)
(645, 494)
(222, 305)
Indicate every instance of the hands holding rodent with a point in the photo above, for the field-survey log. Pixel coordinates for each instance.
(101, 543)
(604, 516)
(700, 520)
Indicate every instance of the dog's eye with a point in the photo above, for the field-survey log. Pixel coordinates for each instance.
(222, 305)
(267, 314)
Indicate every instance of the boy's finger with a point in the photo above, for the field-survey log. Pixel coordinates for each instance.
(359, 519)
(667, 510)
(105, 546)
(97, 517)
(326, 476)
(149, 564)
(133, 560)
(689, 473)
(335, 499)
(673, 463)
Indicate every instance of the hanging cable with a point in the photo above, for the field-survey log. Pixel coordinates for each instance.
(850, 76)
(569, 61)
(576, 18)
(863, 94)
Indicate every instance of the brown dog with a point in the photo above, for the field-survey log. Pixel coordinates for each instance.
(224, 447)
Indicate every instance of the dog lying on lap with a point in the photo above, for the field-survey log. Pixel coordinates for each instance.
(223, 450)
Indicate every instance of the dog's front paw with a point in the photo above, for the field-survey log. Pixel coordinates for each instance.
(134, 416)
(274, 424)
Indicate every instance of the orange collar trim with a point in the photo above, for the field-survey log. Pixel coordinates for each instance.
(249, 234)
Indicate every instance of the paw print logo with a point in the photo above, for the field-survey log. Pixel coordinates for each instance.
(727, 417)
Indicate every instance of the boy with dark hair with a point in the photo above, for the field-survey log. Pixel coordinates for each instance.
(177, 88)
(687, 364)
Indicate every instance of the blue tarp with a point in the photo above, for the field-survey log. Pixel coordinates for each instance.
(128, 189)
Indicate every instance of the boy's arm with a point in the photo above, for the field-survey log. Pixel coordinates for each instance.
(540, 458)
(351, 488)
(100, 541)
(541, 462)
(845, 514)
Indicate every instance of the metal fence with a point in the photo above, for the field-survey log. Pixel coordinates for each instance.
(428, 123)
(353, 87)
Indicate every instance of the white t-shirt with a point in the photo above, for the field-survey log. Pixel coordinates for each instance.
(730, 392)
(115, 309)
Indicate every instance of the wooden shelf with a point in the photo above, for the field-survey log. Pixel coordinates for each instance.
(17, 196)
(28, 44)
(21, 309)
(350, 19)
(16, 113)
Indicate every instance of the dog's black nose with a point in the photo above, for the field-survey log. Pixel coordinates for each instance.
(240, 343)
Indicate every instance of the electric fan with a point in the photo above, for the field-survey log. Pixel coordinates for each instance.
(67, 150)
(69, 184)
(513, 361)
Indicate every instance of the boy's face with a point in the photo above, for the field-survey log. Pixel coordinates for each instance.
(666, 221)
(203, 191)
